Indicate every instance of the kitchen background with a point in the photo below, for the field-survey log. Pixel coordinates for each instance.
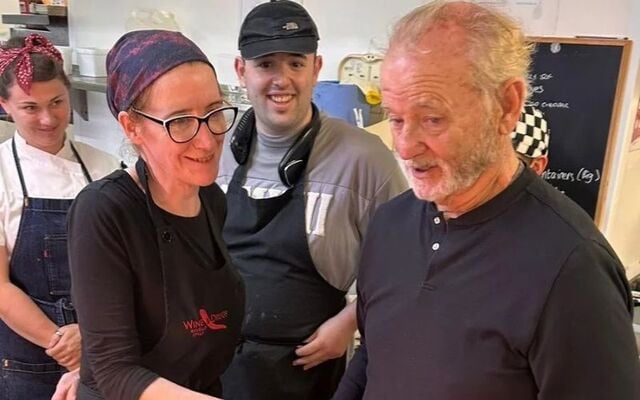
(361, 26)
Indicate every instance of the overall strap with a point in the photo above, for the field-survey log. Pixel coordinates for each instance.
(85, 172)
(84, 168)
(141, 170)
(17, 161)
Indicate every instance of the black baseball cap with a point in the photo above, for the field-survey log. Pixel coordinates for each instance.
(277, 27)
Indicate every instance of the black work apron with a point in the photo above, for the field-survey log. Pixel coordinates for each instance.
(204, 306)
(39, 266)
(287, 299)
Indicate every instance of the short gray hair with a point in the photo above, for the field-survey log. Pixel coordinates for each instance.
(497, 49)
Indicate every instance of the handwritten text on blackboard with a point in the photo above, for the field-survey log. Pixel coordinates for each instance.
(537, 87)
(583, 175)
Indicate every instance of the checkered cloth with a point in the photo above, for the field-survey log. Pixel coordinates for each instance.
(531, 136)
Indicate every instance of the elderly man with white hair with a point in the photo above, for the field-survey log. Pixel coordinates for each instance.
(483, 282)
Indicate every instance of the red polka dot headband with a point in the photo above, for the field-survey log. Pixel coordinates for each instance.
(33, 43)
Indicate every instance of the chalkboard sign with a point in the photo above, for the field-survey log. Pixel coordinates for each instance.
(577, 83)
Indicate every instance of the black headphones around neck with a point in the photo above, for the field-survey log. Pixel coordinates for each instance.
(294, 161)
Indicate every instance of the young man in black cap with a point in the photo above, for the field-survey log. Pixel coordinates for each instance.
(301, 189)
(530, 139)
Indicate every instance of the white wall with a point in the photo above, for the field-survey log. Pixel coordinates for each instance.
(623, 223)
(345, 26)
(357, 26)
(7, 7)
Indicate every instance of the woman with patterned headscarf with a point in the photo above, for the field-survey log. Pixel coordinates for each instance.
(160, 306)
(41, 171)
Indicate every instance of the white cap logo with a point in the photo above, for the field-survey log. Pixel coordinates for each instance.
(289, 26)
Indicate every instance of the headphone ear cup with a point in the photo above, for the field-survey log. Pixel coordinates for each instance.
(294, 162)
(291, 172)
(240, 143)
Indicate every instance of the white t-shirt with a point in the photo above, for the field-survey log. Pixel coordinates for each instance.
(46, 176)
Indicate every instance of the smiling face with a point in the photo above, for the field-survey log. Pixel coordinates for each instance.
(444, 128)
(42, 116)
(280, 87)
(188, 89)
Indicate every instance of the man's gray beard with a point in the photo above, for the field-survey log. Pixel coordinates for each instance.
(485, 154)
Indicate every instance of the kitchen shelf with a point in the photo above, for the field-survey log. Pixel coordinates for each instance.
(58, 11)
(26, 19)
(80, 85)
(54, 27)
(89, 83)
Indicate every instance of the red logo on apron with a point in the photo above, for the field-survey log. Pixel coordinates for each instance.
(207, 322)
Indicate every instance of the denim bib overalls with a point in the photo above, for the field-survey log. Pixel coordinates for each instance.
(40, 268)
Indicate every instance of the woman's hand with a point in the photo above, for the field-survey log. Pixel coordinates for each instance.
(67, 386)
(64, 346)
(19, 311)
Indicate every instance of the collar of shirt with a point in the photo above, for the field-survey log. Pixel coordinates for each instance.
(493, 207)
(64, 157)
(45, 174)
(25, 149)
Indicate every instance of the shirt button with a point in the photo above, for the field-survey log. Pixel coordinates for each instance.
(435, 246)
(436, 220)
(167, 236)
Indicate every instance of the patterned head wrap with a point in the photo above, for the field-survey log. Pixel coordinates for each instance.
(139, 58)
(33, 43)
(531, 136)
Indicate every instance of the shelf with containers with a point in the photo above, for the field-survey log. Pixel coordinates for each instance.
(51, 22)
(80, 85)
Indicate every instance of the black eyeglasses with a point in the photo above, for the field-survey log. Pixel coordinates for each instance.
(184, 128)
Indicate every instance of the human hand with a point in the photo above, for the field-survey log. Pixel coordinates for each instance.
(329, 341)
(67, 386)
(64, 346)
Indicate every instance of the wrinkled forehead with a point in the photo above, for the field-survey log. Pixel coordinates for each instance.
(439, 40)
(405, 65)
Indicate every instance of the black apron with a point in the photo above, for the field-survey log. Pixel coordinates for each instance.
(287, 299)
(204, 306)
(39, 266)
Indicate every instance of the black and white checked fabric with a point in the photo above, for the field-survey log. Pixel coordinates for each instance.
(531, 136)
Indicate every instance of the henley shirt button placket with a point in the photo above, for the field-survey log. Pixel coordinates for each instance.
(167, 237)
(436, 245)
(426, 284)
(438, 232)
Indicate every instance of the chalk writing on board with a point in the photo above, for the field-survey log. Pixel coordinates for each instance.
(582, 175)
(540, 76)
(577, 84)
(549, 104)
(559, 175)
(537, 87)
